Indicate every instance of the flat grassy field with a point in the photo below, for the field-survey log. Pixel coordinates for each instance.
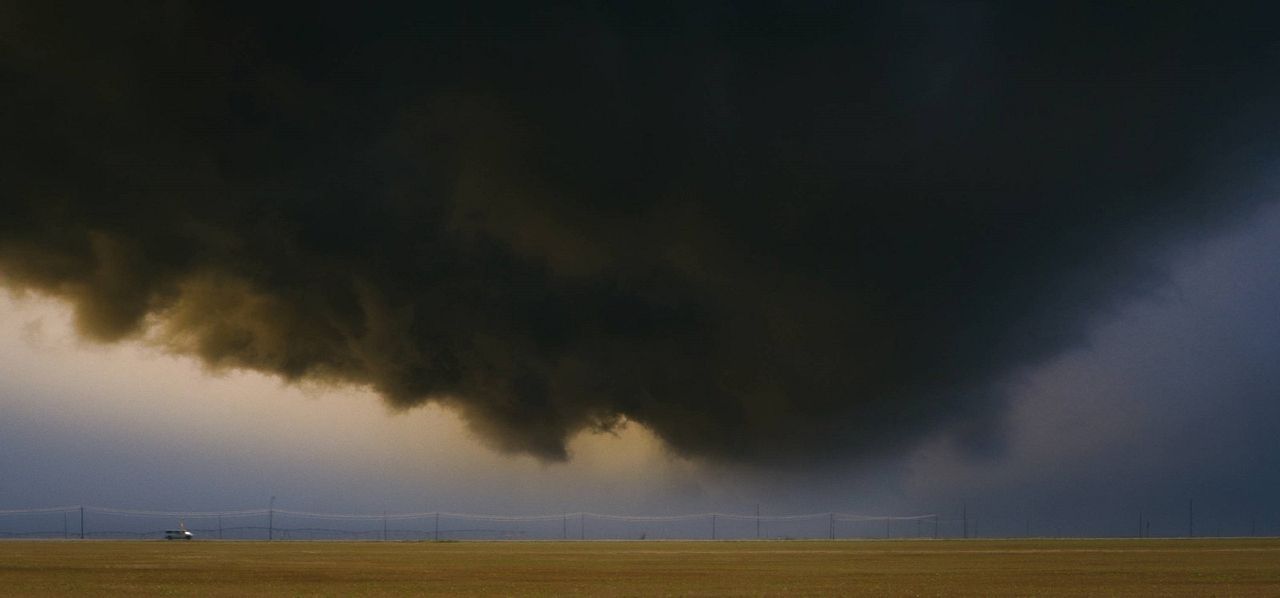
(1203, 567)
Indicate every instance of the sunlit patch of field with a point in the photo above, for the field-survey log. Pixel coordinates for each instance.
(1203, 567)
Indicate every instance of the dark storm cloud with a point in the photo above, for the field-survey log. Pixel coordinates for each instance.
(763, 233)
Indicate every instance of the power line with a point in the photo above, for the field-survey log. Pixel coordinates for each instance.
(378, 525)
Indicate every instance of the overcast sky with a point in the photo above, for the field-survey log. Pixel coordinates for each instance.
(644, 261)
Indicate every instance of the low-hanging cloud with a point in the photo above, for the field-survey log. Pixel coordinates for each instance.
(762, 234)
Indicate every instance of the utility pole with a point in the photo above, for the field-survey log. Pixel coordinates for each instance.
(1139, 523)
(271, 519)
(564, 527)
(964, 514)
(64, 525)
(832, 525)
(437, 534)
(713, 526)
(1191, 518)
(935, 527)
(384, 526)
(219, 527)
(757, 521)
(81, 522)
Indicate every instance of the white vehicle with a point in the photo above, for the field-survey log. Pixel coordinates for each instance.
(177, 534)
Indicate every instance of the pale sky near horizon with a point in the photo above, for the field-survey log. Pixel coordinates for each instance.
(80, 392)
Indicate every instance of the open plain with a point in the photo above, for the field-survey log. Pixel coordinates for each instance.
(1201, 567)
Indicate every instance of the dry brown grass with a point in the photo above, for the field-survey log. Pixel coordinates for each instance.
(1229, 567)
